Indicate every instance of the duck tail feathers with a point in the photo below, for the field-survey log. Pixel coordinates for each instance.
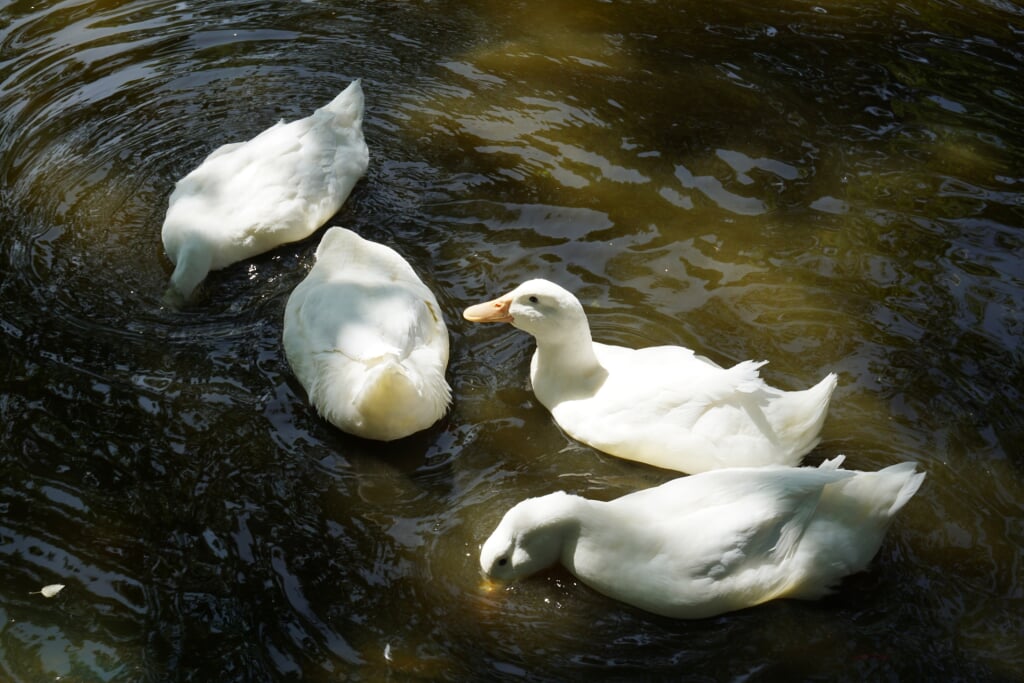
(912, 482)
(348, 106)
(800, 415)
(878, 495)
(818, 396)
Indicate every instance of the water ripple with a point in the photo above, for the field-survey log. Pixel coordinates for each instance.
(831, 186)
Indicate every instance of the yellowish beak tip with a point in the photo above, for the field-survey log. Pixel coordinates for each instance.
(489, 586)
(490, 312)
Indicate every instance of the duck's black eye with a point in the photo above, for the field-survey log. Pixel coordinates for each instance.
(534, 299)
(502, 562)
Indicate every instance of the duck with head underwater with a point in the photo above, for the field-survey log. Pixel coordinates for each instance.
(709, 543)
(249, 197)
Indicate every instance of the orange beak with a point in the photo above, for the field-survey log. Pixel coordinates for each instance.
(488, 585)
(491, 312)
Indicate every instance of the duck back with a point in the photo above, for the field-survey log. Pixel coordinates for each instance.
(249, 197)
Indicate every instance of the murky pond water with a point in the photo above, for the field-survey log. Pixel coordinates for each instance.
(831, 186)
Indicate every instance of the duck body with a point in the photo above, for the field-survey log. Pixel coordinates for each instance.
(249, 197)
(711, 543)
(665, 405)
(366, 339)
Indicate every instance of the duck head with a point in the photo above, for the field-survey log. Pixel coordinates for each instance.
(530, 537)
(538, 307)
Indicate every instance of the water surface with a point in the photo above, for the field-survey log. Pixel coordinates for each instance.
(833, 187)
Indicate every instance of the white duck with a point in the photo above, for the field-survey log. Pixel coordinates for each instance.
(662, 405)
(249, 197)
(366, 339)
(710, 543)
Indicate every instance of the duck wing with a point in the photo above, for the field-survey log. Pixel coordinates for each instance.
(724, 522)
(673, 381)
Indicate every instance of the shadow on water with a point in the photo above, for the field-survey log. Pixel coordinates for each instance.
(830, 186)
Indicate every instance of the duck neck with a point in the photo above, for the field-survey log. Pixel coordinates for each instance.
(570, 352)
(556, 522)
(192, 265)
(579, 520)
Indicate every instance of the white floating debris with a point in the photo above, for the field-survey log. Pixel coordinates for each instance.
(50, 591)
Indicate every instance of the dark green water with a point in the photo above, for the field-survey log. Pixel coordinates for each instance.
(836, 186)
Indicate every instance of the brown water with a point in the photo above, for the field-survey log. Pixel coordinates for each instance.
(834, 186)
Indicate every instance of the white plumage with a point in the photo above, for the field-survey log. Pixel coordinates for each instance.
(249, 197)
(710, 543)
(664, 405)
(366, 339)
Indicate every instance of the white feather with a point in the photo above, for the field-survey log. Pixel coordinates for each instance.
(249, 197)
(366, 339)
(662, 405)
(709, 543)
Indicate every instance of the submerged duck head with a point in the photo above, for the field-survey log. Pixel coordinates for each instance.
(530, 537)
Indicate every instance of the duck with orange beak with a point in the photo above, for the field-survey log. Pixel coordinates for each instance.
(664, 405)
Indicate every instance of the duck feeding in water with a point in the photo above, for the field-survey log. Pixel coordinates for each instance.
(710, 543)
(250, 197)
